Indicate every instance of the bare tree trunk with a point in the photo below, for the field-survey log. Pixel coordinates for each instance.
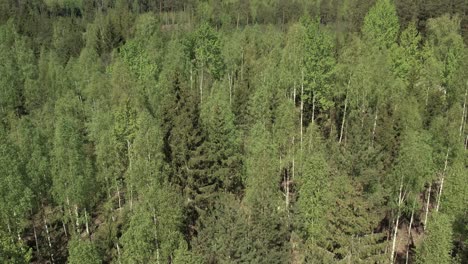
(118, 251)
(201, 86)
(35, 237)
(302, 108)
(375, 125)
(230, 88)
(77, 221)
(129, 154)
(442, 180)
(313, 108)
(427, 204)
(156, 235)
(344, 114)
(409, 233)
(48, 239)
(86, 220)
(395, 232)
(191, 76)
(118, 194)
(463, 115)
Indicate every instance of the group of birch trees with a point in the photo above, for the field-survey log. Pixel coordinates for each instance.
(233, 132)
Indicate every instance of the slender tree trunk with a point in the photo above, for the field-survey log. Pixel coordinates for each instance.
(427, 204)
(409, 233)
(344, 114)
(302, 108)
(375, 125)
(191, 76)
(35, 237)
(86, 220)
(230, 88)
(118, 251)
(395, 229)
(442, 180)
(313, 108)
(129, 154)
(77, 221)
(156, 235)
(201, 86)
(119, 197)
(242, 66)
(48, 239)
(463, 115)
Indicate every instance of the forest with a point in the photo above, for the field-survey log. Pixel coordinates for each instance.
(233, 131)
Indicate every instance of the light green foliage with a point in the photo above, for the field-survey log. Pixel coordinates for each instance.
(448, 47)
(407, 55)
(437, 244)
(17, 68)
(72, 172)
(319, 63)
(15, 196)
(178, 131)
(12, 252)
(81, 251)
(414, 166)
(381, 26)
(207, 50)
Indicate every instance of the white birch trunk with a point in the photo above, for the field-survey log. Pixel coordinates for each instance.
(375, 125)
(313, 108)
(395, 232)
(409, 233)
(302, 108)
(201, 86)
(86, 220)
(77, 221)
(427, 205)
(463, 114)
(442, 180)
(344, 114)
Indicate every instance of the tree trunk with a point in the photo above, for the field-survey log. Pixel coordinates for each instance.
(427, 205)
(230, 88)
(442, 180)
(375, 125)
(344, 114)
(48, 239)
(463, 115)
(86, 220)
(118, 194)
(313, 108)
(409, 233)
(395, 232)
(77, 221)
(191, 77)
(302, 108)
(118, 251)
(35, 237)
(201, 86)
(156, 235)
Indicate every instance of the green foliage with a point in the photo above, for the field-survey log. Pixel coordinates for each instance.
(83, 252)
(437, 245)
(72, 178)
(319, 63)
(207, 50)
(232, 131)
(381, 26)
(12, 252)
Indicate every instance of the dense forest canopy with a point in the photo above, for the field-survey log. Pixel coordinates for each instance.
(233, 131)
